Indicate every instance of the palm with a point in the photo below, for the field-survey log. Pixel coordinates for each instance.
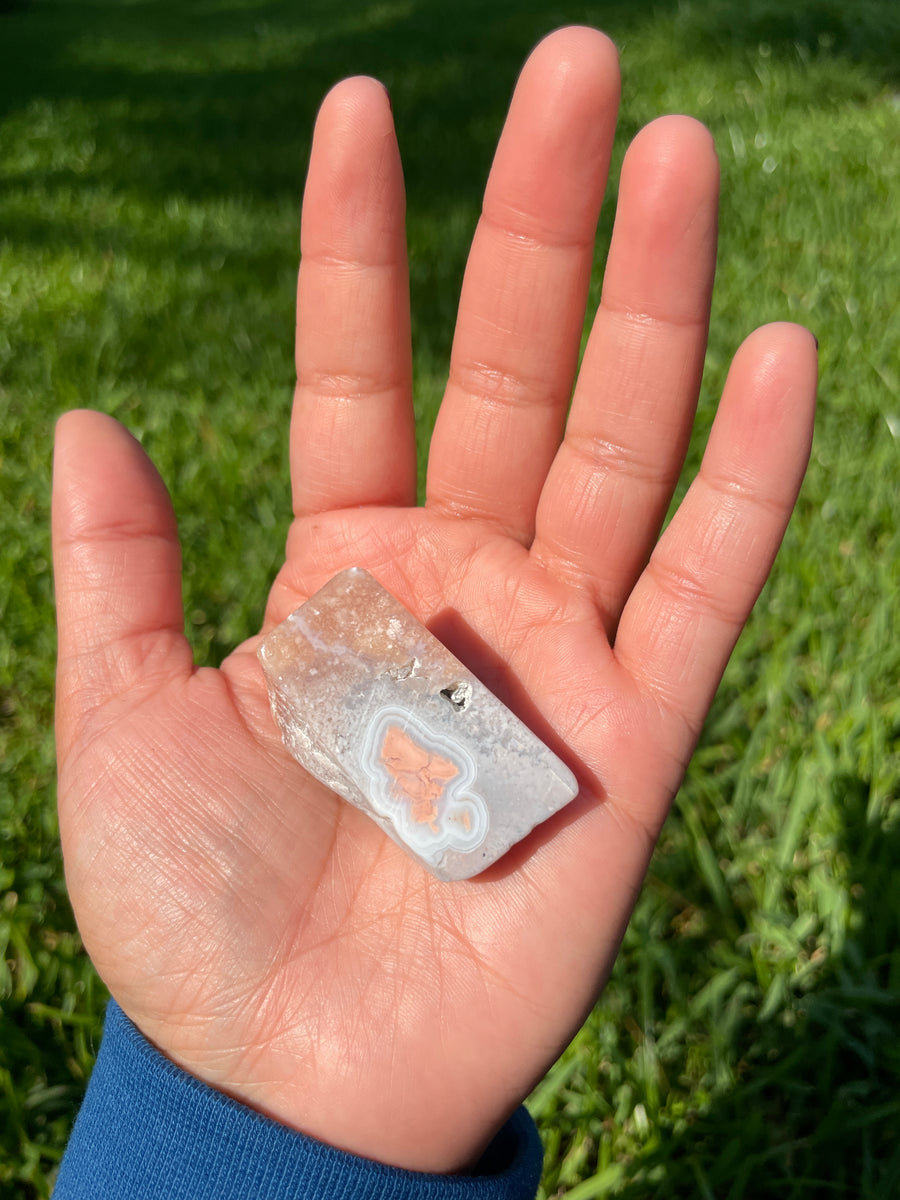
(262, 932)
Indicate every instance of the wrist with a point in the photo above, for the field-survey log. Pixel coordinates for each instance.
(147, 1128)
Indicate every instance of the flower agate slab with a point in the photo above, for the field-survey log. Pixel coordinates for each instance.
(375, 707)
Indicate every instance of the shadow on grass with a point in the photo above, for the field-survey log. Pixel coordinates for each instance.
(161, 102)
(142, 105)
(218, 98)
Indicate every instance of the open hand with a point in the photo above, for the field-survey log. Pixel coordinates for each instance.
(261, 932)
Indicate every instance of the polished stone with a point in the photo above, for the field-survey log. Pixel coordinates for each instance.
(374, 706)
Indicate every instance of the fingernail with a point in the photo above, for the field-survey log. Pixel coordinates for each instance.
(388, 94)
(816, 340)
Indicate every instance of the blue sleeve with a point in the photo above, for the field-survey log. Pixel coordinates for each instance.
(149, 1131)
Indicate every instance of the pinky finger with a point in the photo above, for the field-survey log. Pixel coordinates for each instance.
(685, 614)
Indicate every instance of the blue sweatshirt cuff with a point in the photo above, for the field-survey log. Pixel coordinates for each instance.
(149, 1131)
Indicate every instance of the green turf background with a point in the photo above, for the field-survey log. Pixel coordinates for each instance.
(151, 163)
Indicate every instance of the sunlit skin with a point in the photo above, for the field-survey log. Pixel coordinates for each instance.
(261, 932)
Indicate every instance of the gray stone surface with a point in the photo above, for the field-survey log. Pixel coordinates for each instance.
(381, 712)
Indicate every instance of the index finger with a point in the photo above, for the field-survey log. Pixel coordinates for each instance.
(352, 438)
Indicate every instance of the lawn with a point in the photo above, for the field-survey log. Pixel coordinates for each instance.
(152, 157)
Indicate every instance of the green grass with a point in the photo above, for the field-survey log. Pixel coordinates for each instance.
(152, 159)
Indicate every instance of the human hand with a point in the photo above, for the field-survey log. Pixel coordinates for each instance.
(261, 932)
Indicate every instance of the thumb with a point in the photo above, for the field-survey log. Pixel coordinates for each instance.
(117, 567)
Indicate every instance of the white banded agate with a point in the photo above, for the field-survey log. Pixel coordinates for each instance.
(374, 706)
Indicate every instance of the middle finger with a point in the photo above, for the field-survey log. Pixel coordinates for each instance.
(521, 312)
